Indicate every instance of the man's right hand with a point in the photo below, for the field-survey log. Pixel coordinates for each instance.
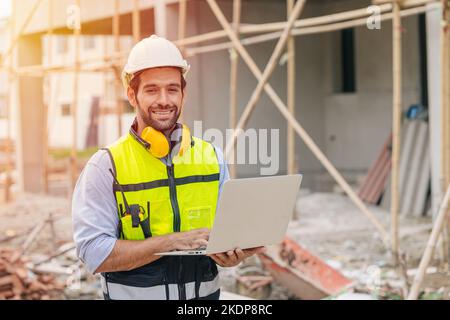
(130, 254)
(190, 240)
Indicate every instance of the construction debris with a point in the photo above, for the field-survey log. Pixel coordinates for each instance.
(17, 282)
(253, 281)
(415, 169)
(372, 188)
(304, 274)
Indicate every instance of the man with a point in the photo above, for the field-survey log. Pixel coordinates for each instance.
(148, 192)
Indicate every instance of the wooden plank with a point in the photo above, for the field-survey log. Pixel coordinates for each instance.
(136, 22)
(48, 82)
(414, 173)
(396, 124)
(74, 107)
(422, 183)
(331, 27)
(366, 186)
(380, 180)
(117, 82)
(160, 18)
(291, 165)
(234, 57)
(410, 135)
(357, 14)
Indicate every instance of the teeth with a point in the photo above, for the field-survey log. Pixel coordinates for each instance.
(163, 112)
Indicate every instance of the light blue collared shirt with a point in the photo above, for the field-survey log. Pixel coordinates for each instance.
(94, 209)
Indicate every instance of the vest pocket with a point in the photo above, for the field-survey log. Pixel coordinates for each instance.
(130, 233)
(197, 217)
(161, 217)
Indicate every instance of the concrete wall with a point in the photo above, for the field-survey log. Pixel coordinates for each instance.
(356, 125)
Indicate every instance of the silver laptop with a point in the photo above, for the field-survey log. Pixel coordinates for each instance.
(251, 213)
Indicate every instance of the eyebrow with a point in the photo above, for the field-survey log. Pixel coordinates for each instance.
(169, 85)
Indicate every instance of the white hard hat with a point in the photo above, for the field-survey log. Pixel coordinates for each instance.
(153, 52)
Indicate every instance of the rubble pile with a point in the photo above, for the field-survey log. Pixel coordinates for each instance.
(17, 282)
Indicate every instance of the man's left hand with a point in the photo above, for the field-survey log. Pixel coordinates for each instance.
(233, 258)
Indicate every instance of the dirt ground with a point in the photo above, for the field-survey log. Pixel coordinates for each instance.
(326, 224)
(331, 227)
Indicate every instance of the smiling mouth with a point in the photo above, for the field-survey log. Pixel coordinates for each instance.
(163, 112)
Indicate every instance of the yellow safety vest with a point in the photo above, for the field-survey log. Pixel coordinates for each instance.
(180, 197)
(153, 200)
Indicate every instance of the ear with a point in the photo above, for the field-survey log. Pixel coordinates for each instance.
(132, 97)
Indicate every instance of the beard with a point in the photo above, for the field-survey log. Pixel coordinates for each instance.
(157, 122)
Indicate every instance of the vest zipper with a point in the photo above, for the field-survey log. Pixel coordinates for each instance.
(173, 199)
(176, 225)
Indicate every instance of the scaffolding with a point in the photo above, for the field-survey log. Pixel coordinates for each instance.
(235, 36)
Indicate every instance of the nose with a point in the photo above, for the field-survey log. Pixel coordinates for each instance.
(163, 99)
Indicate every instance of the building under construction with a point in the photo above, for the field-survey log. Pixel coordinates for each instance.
(358, 91)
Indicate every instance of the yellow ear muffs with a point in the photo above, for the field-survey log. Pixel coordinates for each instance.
(159, 146)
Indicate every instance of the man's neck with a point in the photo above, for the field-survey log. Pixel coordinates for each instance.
(141, 126)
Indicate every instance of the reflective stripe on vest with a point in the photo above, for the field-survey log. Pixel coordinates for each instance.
(117, 291)
(164, 199)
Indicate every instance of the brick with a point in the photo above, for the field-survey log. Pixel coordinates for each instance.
(22, 273)
(7, 280)
(8, 294)
(35, 296)
(36, 286)
(46, 278)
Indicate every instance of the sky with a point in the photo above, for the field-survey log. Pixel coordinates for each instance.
(5, 8)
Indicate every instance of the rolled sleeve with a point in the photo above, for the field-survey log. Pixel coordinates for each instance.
(94, 213)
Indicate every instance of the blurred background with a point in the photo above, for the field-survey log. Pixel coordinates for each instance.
(61, 99)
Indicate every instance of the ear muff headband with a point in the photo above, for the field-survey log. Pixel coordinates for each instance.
(185, 140)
